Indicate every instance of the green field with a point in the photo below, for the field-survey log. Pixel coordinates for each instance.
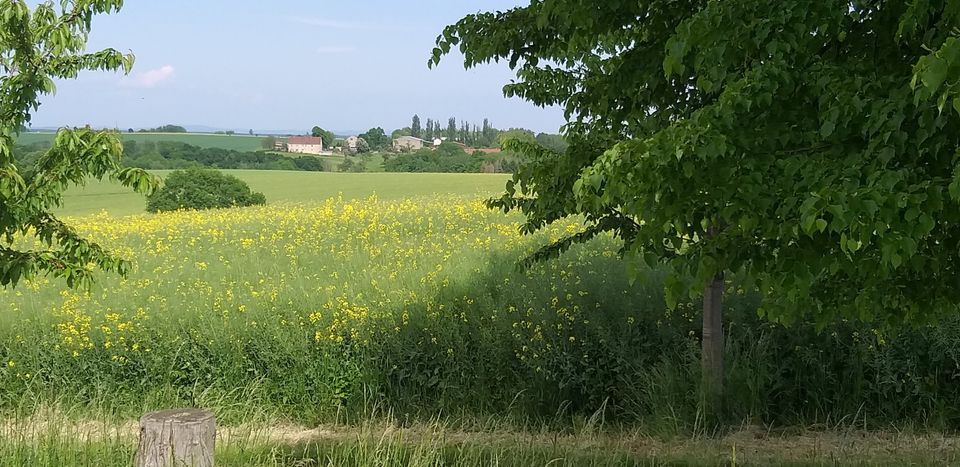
(402, 318)
(281, 186)
(373, 161)
(203, 140)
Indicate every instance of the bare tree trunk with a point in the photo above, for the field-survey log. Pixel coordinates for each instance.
(177, 438)
(712, 350)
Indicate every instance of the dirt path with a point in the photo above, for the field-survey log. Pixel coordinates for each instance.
(748, 446)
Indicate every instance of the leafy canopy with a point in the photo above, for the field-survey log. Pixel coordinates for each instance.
(810, 146)
(36, 47)
(197, 188)
(326, 136)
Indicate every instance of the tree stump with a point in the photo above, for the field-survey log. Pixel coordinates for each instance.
(177, 438)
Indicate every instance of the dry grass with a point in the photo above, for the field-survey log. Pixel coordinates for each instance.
(748, 446)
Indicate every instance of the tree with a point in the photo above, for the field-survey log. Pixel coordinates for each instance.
(804, 146)
(251, 132)
(428, 133)
(326, 136)
(167, 129)
(197, 188)
(37, 47)
(555, 143)
(516, 135)
(376, 138)
(406, 131)
(452, 129)
(415, 129)
(363, 146)
(268, 143)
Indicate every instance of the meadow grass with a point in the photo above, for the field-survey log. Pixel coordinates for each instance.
(55, 439)
(351, 312)
(373, 162)
(283, 186)
(203, 140)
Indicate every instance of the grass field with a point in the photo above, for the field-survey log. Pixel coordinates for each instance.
(280, 186)
(204, 140)
(386, 317)
(373, 162)
(61, 441)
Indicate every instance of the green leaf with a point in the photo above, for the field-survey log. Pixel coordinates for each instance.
(827, 129)
(934, 73)
(821, 225)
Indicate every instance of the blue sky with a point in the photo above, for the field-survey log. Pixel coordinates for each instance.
(288, 65)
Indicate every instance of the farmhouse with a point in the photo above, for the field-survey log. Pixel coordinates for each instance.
(305, 144)
(408, 143)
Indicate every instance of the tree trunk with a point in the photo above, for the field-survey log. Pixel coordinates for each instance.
(177, 438)
(712, 350)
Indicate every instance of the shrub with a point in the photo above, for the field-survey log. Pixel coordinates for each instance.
(448, 158)
(197, 188)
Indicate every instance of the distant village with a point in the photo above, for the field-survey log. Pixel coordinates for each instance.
(430, 135)
(350, 145)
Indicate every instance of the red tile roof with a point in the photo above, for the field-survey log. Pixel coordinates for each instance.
(304, 140)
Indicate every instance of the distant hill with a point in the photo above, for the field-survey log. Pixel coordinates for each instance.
(204, 140)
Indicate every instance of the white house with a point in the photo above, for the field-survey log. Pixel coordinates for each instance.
(305, 144)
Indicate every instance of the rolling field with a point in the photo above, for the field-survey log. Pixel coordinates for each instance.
(303, 309)
(281, 186)
(203, 140)
(394, 317)
(373, 161)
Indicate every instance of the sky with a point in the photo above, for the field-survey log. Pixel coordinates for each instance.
(287, 66)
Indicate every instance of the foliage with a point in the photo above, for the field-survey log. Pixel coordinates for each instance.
(415, 129)
(414, 305)
(554, 143)
(176, 155)
(268, 143)
(202, 189)
(801, 144)
(474, 136)
(405, 131)
(376, 138)
(169, 129)
(37, 47)
(350, 164)
(447, 158)
(363, 146)
(327, 136)
(516, 134)
(204, 140)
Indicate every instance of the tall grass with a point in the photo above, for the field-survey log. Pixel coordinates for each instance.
(338, 311)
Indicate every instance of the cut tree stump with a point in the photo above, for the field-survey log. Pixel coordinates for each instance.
(177, 438)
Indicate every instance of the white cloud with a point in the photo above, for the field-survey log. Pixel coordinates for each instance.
(150, 78)
(335, 49)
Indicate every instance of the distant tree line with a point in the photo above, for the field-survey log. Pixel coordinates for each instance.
(162, 155)
(452, 158)
(161, 129)
(447, 158)
(484, 135)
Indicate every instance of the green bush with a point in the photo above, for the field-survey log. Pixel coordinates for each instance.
(448, 158)
(196, 188)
